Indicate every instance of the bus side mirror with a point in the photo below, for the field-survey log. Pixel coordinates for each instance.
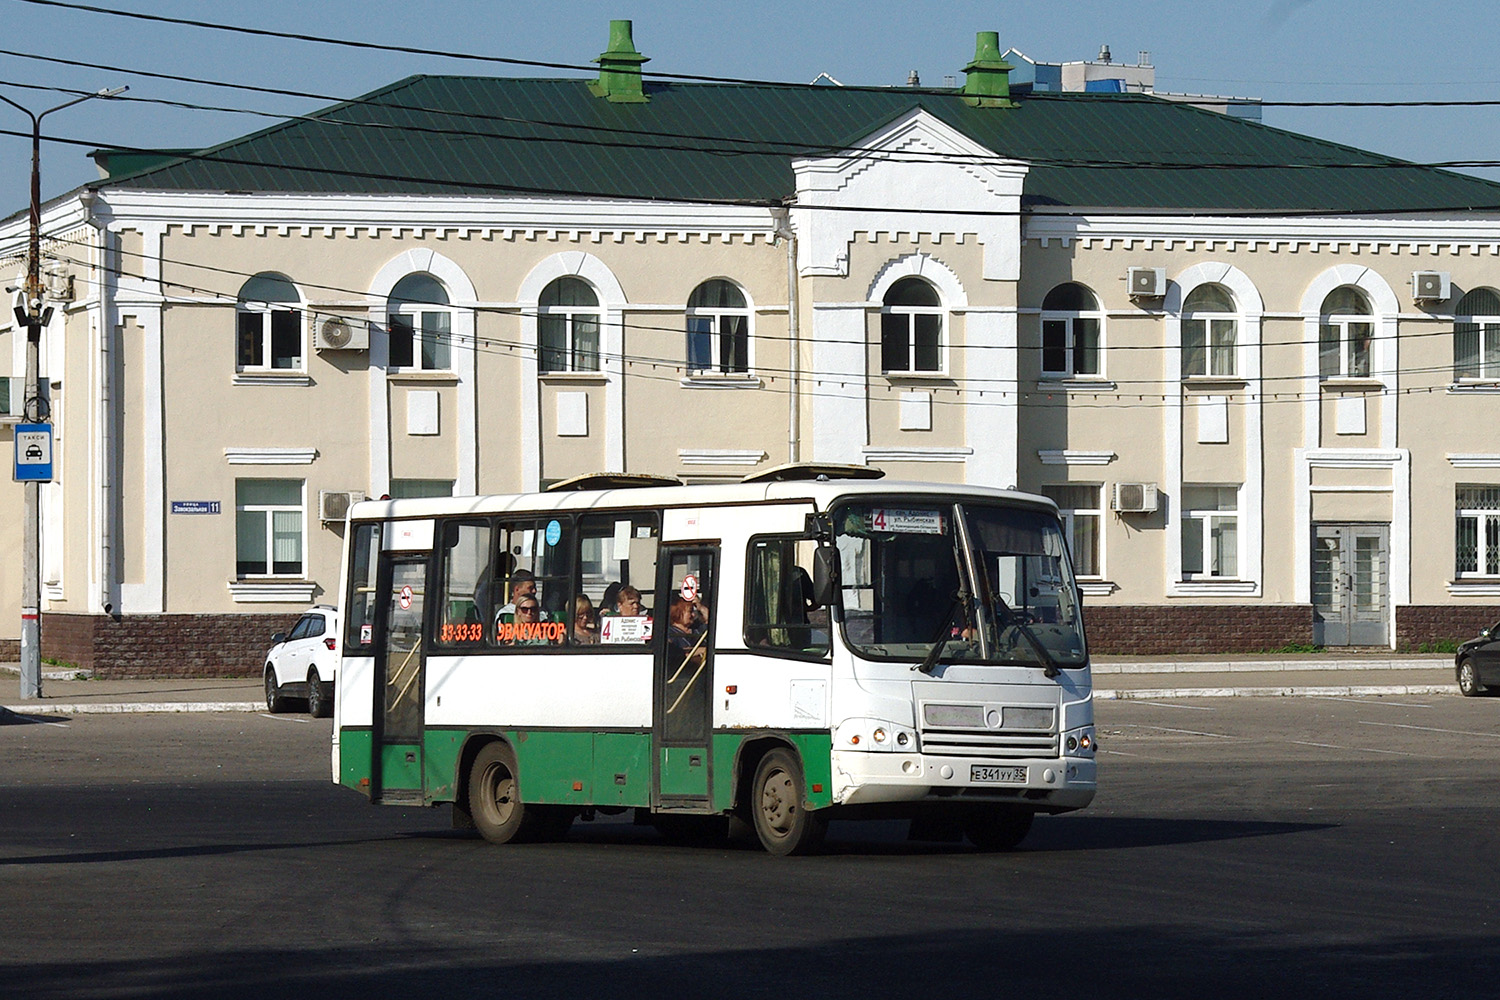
(825, 575)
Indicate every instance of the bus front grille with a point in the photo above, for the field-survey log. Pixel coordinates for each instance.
(998, 745)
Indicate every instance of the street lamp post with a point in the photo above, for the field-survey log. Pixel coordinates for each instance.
(34, 314)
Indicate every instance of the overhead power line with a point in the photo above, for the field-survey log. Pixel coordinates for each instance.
(588, 68)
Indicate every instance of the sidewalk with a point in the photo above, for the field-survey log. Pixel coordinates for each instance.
(1115, 678)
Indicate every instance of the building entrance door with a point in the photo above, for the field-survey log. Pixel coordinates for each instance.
(1351, 584)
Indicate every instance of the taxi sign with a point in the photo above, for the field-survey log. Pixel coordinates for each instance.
(33, 453)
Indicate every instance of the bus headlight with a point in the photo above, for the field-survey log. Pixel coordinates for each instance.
(874, 735)
(1079, 742)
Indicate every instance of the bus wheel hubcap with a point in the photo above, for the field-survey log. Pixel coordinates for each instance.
(777, 801)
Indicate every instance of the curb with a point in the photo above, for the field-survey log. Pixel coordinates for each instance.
(122, 708)
(1332, 691)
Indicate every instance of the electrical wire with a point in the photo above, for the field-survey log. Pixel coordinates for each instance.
(969, 392)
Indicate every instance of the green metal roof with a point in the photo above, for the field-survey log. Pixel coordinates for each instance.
(432, 135)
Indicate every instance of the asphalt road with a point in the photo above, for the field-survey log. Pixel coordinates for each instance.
(1239, 847)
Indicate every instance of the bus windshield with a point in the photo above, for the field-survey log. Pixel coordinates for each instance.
(977, 582)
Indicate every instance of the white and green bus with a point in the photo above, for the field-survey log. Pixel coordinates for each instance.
(813, 643)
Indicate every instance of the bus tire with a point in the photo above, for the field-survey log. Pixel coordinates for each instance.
(494, 795)
(997, 828)
(778, 806)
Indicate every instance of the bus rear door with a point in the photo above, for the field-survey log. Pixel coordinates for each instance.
(396, 764)
(682, 696)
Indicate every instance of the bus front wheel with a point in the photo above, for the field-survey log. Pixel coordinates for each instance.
(778, 805)
(495, 795)
(997, 828)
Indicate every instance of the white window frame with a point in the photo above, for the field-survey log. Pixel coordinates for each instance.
(1210, 521)
(265, 313)
(416, 315)
(570, 315)
(1486, 362)
(1071, 517)
(910, 314)
(1212, 351)
(1070, 349)
(268, 511)
(1342, 322)
(717, 317)
(1486, 535)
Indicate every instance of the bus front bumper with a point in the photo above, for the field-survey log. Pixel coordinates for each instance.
(1047, 784)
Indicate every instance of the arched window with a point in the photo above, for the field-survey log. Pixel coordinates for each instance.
(421, 324)
(718, 329)
(1345, 329)
(1476, 335)
(1072, 325)
(268, 325)
(567, 323)
(911, 328)
(1210, 332)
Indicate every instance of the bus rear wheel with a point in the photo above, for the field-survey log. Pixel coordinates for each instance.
(778, 807)
(495, 795)
(997, 828)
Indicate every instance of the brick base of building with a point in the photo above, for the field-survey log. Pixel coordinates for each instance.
(162, 645)
(1436, 626)
(10, 650)
(1169, 629)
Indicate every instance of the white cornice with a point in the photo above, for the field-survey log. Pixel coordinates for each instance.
(1144, 232)
(270, 456)
(1474, 461)
(892, 454)
(720, 456)
(1073, 457)
(329, 215)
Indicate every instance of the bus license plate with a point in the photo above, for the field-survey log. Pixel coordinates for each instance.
(1003, 775)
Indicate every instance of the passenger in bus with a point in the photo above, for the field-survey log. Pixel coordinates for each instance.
(527, 628)
(688, 630)
(610, 599)
(628, 604)
(522, 586)
(585, 630)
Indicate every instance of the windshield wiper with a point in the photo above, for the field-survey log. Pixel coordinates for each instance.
(1013, 619)
(945, 632)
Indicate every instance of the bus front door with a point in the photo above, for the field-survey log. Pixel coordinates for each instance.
(683, 703)
(396, 770)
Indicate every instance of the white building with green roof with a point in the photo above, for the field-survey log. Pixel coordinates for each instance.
(1259, 372)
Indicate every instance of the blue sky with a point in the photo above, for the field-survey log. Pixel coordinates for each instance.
(1272, 49)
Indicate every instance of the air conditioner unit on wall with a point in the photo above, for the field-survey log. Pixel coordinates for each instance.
(335, 333)
(333, 505)
(1431, 286)
(1146, 282)
(1135, 498)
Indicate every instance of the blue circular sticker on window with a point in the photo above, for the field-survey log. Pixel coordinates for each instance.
(554, 532)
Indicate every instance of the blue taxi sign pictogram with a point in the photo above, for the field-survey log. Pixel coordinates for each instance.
(33, 453)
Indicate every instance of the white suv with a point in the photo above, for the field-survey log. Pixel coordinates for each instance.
(301, 663)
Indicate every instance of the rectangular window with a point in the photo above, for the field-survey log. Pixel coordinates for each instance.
(1210, 532)
(1082, 516)
(1476, 350)
(1071, 346)
(1477, 534)
(359, 605)
(569, 342)
(780, 615)
(1208, 347)
(427, 346)
(466, 617)
(281, 350)
(411, 489)
(1344, 348)
(268, 520)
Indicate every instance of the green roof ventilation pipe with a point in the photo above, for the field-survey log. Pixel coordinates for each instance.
(987, 78)
(620, 68)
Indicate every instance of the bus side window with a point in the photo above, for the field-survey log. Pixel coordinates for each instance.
(359, 619)
(617, 554)
(467, 576)
(780, 613)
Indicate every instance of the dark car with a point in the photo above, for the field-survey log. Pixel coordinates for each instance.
(1477, 663)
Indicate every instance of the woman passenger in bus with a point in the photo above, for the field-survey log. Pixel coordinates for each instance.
(585, 629)
(527, 627)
